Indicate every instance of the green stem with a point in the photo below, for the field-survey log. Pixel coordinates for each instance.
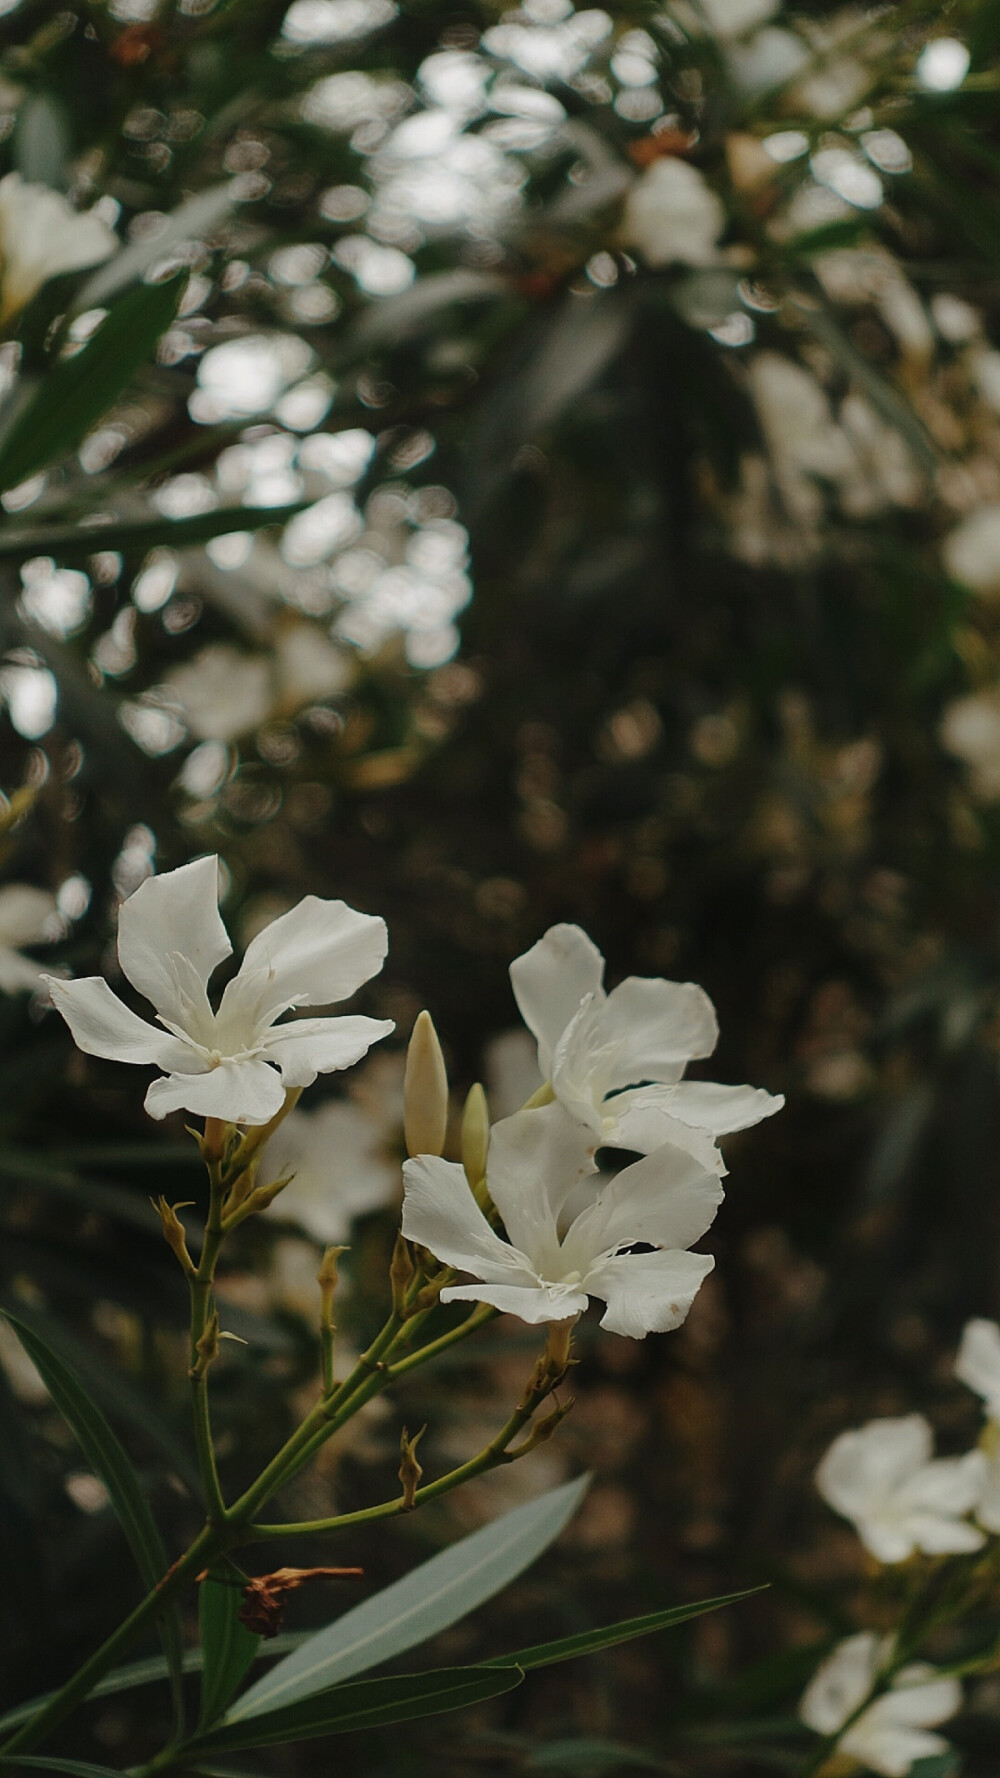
(209, 1543)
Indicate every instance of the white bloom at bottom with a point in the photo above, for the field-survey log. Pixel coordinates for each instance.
(883, 1479)
(342, 1164)
(672, 215)
(235, 1063)
(978, 1365)
(892, 1733)
(664, 1202)
(26, 918)
(41, 236)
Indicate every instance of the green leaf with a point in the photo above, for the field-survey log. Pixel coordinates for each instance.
(590, 1754)
(109, 1461)
(229, 1648)
(82, 1768)
(70, 543)
(78, 391)
(412, 1610)
(545, 1654)
(368, 1704)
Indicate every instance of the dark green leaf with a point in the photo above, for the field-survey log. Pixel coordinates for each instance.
(590, 1754)
(545, 1654)
(78, 391)
(228, 1647)
(366, 1704)
(69, 543)
(82, 1768)
(110, 1463)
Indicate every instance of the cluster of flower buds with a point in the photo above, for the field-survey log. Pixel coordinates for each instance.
(903, 1502)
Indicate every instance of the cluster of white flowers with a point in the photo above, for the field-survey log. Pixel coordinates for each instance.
(902, 1500)
(613, 1064)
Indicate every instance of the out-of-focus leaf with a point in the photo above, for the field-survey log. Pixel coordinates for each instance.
(41, 142)
(588, 1753)
(367, 1704)
(72, 543)
(80, 1768)
(412, 1610)
(29, 1170)
(397, 318)
(228, 1647)
(109, 1461)
(78, 391)
(568, 1648)
(937, 1765)
(197, 217)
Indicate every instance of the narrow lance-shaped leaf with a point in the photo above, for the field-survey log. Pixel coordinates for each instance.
(228, 1647)
(78, 391)
(78, 1768)
(110, 1463)
(412, 1610)
(587, 1642)
(368, 1704)
(73, 543)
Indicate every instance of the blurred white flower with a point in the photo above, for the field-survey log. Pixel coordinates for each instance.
(595, 1047)
(899, 1498)
(892, 1733)
(970, 729)
(978, 1365)
(40, 237)
(342, 1164)
(222, 692)
(731, 18)
(27, 916)
(536, 1158)
(971, 552)
(672, 215)
(235, 1063)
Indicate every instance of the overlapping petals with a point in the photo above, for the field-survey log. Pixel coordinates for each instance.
(616, 1061)
(235, 1063)
(545, 1272)
(900, 1498)
(978, 1365)
(893, 1732)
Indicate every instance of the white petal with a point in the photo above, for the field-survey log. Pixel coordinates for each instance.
(102, 1025)
(667, 1199)
(647, 1292)
(841, 1683)
(535, 1160)
(709, 1106)
(642, 1123)
(949, 1485)
(920, 1697)
(240, 1092)
(978, 1362)
(938, 1535)
(319, 952)
(550, 981)
(988, 1510)
(339, 1165)
(888, 1539)
(868, 1465)
(306, 1047)
(533, 1303)
(18, 973)
(889, 1750)
(177, 913)
(25, 913)
(659, 1025)
(441, 1213)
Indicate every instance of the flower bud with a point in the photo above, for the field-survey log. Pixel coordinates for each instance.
(410, 1471)
(173, 1231)
(475, 1135)
(425, 1090)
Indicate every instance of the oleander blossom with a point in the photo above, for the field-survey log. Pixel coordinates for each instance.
(235, 1063)
(978, 1366)
(544, 1272)
(616, 1060)
(893, 1732)
(42, 236)
(897, 1495)
(344, 1157)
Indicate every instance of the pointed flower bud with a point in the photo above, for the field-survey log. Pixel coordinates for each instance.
(475, 1135)
(410, 1471)
(425, 1090)
(173, 1231)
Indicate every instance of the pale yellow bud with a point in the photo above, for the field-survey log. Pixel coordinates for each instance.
(475, 1135)
(425, 1090)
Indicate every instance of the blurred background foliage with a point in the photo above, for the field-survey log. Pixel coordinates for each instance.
(518, 465)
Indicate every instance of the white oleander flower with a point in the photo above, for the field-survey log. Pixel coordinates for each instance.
(41, 236)
(342, 1164)
(971, 552)
(224, 692)
(892, 1733)
(536, 1158)
(26, 918)
(235, 1063)
(970, 729)
(978, 1365)
(899, 1498)
(672, 215)
(596, 1047)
